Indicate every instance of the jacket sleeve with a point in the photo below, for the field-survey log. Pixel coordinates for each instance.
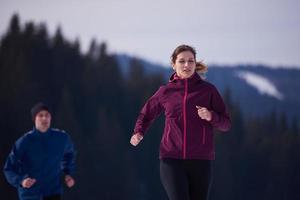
(220, 116)
(68, 162)
(149, 113)
(13, 167)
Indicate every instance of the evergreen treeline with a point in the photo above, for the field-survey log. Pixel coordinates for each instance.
(97, 105)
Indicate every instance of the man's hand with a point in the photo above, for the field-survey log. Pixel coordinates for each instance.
(28, 182)
(70, 182)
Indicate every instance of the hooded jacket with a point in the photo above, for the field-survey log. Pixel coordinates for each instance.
(43, 156)
(186, 135)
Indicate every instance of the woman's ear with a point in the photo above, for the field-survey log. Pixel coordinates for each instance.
(173, 66)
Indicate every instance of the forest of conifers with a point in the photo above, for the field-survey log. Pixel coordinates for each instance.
(97, 105)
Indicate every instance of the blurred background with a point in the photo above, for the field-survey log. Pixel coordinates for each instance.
(96, 62)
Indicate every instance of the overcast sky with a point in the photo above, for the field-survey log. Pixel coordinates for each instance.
(222, 31)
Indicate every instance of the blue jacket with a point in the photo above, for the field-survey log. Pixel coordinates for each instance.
(43, 156)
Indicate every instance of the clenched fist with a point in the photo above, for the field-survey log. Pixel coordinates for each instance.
(135, 139)
(28, 182)
(204, 113)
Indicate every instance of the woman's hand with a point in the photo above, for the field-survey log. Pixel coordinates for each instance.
(204, 113)
(136, 138)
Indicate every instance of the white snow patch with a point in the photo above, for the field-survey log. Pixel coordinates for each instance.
(262, 84)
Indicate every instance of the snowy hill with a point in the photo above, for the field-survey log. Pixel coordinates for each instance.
(260, 90)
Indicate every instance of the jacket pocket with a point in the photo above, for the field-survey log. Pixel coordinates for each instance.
(172, 137)
(203, 135)
(168, 130)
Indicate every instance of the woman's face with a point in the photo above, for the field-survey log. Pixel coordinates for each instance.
(185, 64)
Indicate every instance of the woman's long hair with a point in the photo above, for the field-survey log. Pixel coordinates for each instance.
(201, 68)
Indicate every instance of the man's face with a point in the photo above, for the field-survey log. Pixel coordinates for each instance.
(43, 121)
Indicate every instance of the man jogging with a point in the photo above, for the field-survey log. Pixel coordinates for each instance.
(40, 158)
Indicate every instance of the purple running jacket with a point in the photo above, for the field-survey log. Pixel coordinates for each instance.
(186, 135)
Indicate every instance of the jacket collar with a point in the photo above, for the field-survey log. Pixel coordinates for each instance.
(35, 130)
(194, 78)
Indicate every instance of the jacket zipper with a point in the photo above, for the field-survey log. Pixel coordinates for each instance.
(184, 118)
(43, 151)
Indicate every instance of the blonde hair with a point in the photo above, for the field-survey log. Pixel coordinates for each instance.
(201, 69)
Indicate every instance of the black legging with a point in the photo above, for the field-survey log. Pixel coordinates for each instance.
(186, 179)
